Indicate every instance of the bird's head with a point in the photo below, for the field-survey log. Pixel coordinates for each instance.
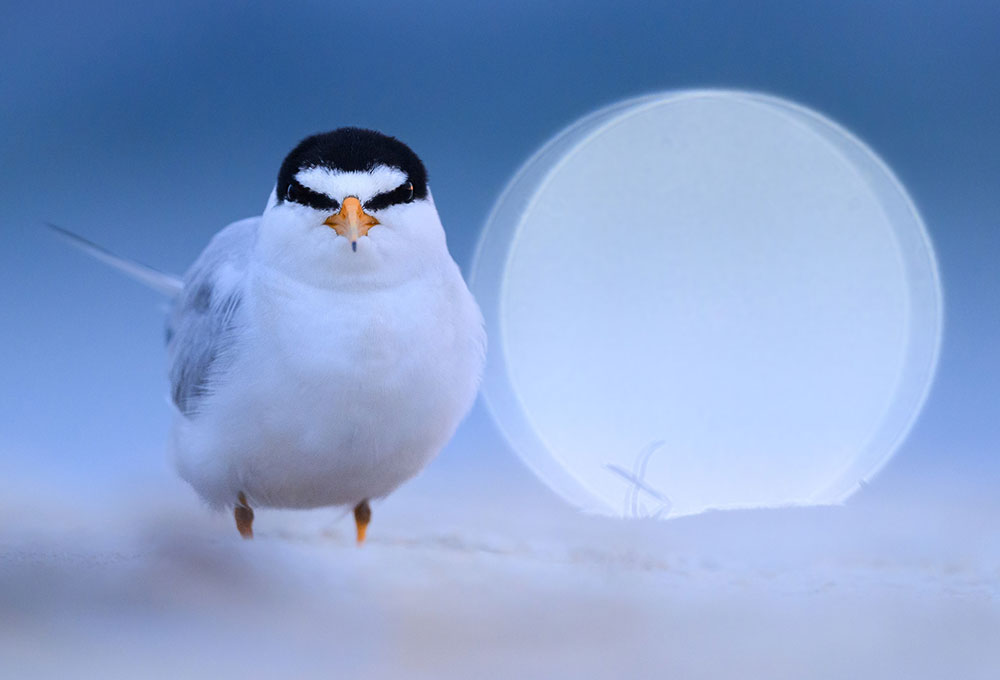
(349, 203)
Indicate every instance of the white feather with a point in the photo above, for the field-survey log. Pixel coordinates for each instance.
(363, 185)
(345, 373)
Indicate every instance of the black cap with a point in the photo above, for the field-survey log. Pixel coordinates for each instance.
(351, 149)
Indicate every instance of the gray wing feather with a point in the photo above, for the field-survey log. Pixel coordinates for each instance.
(168, 284)
(201, 328)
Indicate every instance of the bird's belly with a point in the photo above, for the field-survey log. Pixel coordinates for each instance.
(344, 435)
(333, 409)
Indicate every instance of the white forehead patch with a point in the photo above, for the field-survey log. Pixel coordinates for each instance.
(339, 185)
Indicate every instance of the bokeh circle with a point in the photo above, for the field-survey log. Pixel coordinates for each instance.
(706, 299)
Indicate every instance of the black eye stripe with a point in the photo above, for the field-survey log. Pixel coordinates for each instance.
(298, 193)
(401, 194)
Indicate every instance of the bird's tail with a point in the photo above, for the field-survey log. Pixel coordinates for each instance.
(161, 282)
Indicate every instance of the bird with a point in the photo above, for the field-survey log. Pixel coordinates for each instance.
(321, 353)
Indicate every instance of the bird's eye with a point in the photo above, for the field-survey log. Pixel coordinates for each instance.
(404, 193)
(291, 193)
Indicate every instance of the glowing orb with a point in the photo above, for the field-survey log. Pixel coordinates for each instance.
(706, 299)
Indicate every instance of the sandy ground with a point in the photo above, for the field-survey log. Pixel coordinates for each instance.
(495, 580)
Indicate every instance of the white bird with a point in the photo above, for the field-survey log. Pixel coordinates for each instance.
(322, 353)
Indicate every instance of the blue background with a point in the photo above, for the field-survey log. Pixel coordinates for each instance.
(147, 127)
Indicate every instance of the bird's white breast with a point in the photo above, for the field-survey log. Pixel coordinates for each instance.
(337, 395)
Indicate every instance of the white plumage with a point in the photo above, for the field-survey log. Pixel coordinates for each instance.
(306, 373)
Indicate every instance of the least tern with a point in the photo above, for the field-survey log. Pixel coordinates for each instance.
(322, 353)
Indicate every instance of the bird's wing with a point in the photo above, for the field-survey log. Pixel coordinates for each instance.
(161, 282)
(203, 322)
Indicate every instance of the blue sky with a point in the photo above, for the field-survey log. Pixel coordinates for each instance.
(147, 128)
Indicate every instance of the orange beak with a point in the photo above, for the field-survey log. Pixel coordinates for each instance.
(352, 222)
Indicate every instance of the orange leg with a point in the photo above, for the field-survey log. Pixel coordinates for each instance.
(244, 517)
(362, 516)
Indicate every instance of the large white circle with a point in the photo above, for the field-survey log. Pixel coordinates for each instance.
(706, 299)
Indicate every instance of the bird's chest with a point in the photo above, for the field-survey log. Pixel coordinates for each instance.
(346, 367)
